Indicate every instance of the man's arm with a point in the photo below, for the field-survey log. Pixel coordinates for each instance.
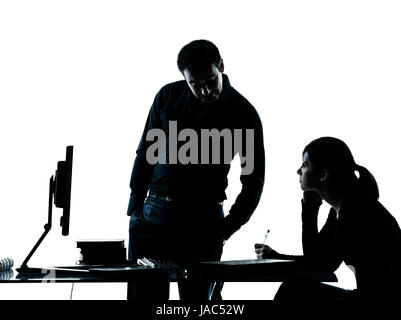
(252, 184)
(142, 169)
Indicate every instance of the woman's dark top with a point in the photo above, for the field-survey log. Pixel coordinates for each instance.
(365, 236)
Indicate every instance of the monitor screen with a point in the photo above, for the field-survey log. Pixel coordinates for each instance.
(62, 191)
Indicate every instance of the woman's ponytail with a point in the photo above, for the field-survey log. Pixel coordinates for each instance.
(367, 183)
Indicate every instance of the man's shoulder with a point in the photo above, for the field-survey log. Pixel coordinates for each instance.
(237, 98)
(173, 87)
(242, 104)
(170, 91)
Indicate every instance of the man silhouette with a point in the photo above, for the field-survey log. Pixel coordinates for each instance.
(176, 206)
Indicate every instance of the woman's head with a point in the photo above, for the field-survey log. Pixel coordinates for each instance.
(329, 163)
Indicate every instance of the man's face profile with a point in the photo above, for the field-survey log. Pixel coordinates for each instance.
(206, 84)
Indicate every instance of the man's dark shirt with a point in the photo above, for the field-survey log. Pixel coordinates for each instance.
(204, 182)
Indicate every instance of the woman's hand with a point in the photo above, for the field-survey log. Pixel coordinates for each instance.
(312, 199)
(265, 252)
(311, 203)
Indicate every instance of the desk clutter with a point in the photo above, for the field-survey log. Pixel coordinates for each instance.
(175, 271)
(6, 271)
(6, 264)
(6, 275)
(108, 258)
(127, 271)
(95, 252)
(104, 260)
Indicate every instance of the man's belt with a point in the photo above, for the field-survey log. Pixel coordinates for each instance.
(172, 198)
(167, 198)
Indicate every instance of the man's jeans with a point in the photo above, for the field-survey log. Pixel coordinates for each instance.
(184, 232)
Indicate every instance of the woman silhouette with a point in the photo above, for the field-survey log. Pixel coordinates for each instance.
(358, 231)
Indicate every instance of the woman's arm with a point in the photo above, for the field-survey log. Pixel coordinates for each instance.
(263, 251)
(319, 248)
(311, 203)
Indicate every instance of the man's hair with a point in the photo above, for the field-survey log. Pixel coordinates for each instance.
(197, 55)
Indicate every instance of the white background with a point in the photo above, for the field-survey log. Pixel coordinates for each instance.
(85, 73)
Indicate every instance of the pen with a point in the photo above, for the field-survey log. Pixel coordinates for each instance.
(266, 235)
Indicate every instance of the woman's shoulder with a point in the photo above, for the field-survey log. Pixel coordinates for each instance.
(381, 213)
(378, 218)
(371, 221)
(364, 209)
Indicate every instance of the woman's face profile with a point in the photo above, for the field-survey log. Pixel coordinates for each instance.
(308, 175)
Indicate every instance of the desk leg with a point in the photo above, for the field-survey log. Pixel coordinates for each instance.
(146, 290)
(216, 292)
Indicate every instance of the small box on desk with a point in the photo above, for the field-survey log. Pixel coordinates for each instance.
(102, 251)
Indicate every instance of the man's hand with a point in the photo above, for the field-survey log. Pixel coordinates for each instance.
(265, 252)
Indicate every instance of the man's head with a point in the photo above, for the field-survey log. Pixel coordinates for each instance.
(202, 67)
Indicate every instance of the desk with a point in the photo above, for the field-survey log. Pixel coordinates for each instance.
(264, 270)
(69, 274)
(259, 270)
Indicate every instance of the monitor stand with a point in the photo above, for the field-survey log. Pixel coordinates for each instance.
(24, 267)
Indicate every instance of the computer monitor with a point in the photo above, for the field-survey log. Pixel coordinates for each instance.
(60, 194)
(62, 189)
